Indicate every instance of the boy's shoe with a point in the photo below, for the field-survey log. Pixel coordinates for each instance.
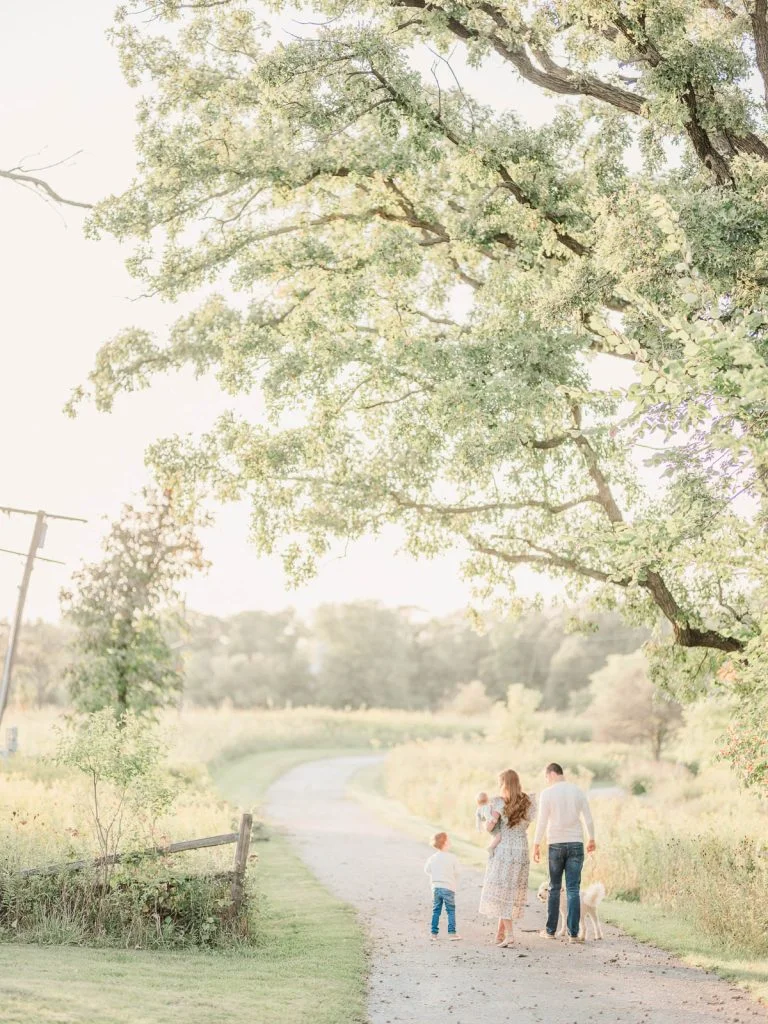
(454, 937)
(433, 938)
(544, 934)
(575, 939)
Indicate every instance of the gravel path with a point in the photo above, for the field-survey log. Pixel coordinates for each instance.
(379, 871)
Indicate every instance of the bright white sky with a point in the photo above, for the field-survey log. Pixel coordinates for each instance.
(62, 297)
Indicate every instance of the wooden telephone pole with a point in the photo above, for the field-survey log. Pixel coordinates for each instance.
(38, 539)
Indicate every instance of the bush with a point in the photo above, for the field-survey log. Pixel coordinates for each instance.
(717, 883)
(144, 901)
(470, 699)
(124, 762)
(516, 722)
(568, 732)
(601, 769)
(137, 907)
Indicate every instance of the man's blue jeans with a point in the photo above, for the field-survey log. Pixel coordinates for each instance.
(444, 898)
(565, 859)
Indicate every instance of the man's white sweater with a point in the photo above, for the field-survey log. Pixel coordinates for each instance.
(563, 807)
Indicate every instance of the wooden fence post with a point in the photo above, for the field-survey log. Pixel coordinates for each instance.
(241, 863)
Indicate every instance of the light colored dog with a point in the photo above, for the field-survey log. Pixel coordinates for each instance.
(590, 901)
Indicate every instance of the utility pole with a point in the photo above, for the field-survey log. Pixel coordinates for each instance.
(38, 539)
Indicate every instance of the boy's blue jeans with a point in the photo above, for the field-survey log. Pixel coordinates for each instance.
(568, 859)
(444, 898)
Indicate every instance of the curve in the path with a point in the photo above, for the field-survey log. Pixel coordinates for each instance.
(414, 981)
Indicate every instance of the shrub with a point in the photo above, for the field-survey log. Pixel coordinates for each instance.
(470, 699)
(568, 732)
(717, 883)
(147, 906)
(516, 721)
(123, 761)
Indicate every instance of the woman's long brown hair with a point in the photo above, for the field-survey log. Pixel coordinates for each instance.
(516, 803)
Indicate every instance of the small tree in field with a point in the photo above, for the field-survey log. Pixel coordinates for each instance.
(122, 760)
(518, 722)
(627, 707)
(119, 608)
(470, 699)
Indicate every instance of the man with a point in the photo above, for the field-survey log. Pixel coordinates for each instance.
(562, 809)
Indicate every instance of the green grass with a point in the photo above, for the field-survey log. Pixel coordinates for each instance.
(244, 779)
(308, 963)
(646, 923)
(657, 927)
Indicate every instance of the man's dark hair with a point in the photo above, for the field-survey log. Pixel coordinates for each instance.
(555, 769)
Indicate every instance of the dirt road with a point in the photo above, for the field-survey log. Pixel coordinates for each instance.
(416, 981)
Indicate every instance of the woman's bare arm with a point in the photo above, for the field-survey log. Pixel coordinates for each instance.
(491, 825)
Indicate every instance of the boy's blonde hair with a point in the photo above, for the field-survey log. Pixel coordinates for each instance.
(438, 840)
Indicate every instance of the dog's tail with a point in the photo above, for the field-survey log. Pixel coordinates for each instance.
(594, 894)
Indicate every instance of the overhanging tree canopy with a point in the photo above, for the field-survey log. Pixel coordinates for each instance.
(429, 281)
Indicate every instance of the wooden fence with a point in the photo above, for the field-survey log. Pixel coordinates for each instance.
(242, 838)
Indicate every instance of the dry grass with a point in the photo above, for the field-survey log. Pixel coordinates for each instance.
(201, 735)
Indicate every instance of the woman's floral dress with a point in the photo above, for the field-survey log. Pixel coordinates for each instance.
(505, 888)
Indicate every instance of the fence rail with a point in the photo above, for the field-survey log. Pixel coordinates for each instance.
(242, 838)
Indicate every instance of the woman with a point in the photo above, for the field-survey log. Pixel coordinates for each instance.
(506, 877)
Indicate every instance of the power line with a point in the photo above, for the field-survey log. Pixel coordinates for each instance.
(39, 532)
(34, 512)
(38, 558)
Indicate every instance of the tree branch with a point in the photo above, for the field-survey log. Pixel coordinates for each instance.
(686, 635)
(500, 506)
(552, 77)
(507, 180)
(548, 560)
(21, 178)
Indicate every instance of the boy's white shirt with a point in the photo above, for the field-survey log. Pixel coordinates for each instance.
(443, 870)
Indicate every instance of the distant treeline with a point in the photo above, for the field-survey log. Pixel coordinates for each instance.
(353, 655)
(366, 654)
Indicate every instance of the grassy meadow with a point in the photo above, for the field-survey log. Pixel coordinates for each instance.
(681, 851)
(304, 955)
(203, 735)
(297, 966)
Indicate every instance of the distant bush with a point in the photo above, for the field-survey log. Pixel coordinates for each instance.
(516, 722)
(568, 732)
(601, 769)
(470, 699)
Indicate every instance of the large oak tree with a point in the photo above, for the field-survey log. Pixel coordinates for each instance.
(421, 287)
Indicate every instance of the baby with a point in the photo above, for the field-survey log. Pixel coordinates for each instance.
(482, 817)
